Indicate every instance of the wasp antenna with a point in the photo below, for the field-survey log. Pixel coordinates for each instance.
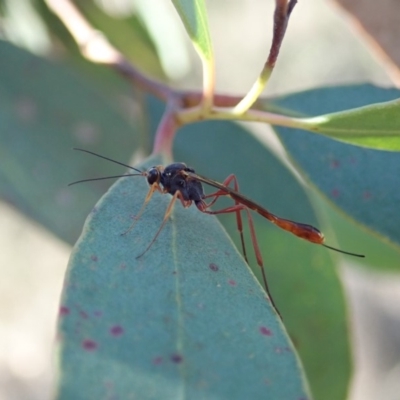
(344, 252)
(108, 159)
(104, 177)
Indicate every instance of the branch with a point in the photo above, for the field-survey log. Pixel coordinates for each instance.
(95, 47)
(182, 106)
(185, 116)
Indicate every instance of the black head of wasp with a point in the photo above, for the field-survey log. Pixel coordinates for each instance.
(185, 185)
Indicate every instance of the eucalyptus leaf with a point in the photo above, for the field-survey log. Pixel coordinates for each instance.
(46, 109)
(363, 182)
(195, 20)
(185, 320)
(302, 276)
(376, 126)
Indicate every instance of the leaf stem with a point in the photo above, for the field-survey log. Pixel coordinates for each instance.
(165, 133)
(219, 113)
(182, 107)
(208, 84)
(283, 9)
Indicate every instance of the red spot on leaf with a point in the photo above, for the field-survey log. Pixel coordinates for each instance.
(157, 360)
(83, 314)
(94, 258)
(116, 330)
(122, 266)
(265, 331)
(335, 193)
(232, 282)
(213, 267)
(335, 164)
(367, 195)
(176, 358)
(64, 310)
(98, 313)
(89, 345)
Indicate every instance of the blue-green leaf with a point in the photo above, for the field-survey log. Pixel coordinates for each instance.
(194, 18)
(46, 108)
(363, 182)
(302, 276)
(185, 320)
(376, 126)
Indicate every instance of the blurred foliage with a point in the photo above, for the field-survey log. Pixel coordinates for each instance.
(48, 107)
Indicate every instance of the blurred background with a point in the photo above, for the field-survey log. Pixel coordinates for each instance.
(324, 45)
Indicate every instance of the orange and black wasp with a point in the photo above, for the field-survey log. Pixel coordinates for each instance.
(185, 185)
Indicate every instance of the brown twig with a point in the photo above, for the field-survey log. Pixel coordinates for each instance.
(282, 13)
(166, 130)
(96, 48)
(283, 9)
